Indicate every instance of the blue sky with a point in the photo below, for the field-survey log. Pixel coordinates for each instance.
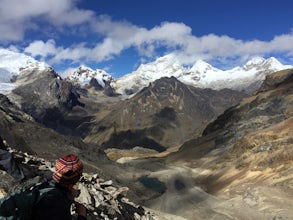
(118, 35)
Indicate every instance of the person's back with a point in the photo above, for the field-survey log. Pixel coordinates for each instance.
(56, 203)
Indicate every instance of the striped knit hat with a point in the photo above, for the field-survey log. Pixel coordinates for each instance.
(68, 170)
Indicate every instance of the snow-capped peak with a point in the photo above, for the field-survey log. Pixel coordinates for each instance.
(200, 64)
(10, 64)
(12, 61)
(275, 63)
(84, 74)
(255, 61)
(201, 74)
(203, 67)
(165, 66)
(261, 63)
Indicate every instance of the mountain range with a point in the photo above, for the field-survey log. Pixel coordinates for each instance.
(201, 74)
(189, 142)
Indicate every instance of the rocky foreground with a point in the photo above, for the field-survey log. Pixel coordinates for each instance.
(102, 199)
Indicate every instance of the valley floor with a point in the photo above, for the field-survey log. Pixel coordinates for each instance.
(252, 195)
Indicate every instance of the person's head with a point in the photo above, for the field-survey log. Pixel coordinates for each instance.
(68, 170)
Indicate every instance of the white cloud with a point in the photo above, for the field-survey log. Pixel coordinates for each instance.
(177, 36)
(113, 37)
(283, 43)
(43, 49)
(18, 15)
(76, 54)
(212, 47)
(12, 31)
(119, 36)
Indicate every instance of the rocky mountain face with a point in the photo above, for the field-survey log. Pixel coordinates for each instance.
(160, 116)
(44, 95)
(23, 133)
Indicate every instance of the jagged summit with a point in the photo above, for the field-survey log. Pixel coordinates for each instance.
(255, 61)
(83, 75)
(202, 66)
(165, 66)
(98, 79)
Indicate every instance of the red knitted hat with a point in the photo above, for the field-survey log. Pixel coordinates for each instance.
(68, 169)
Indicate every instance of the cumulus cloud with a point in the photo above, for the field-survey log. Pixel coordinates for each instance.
(17, 16)
(119, 36)
(43, 49)
(114, 37)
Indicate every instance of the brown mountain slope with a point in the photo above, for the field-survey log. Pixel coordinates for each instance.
(160, 116)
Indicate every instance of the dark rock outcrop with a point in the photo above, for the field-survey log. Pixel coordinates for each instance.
(22, 132)
(44, 95)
